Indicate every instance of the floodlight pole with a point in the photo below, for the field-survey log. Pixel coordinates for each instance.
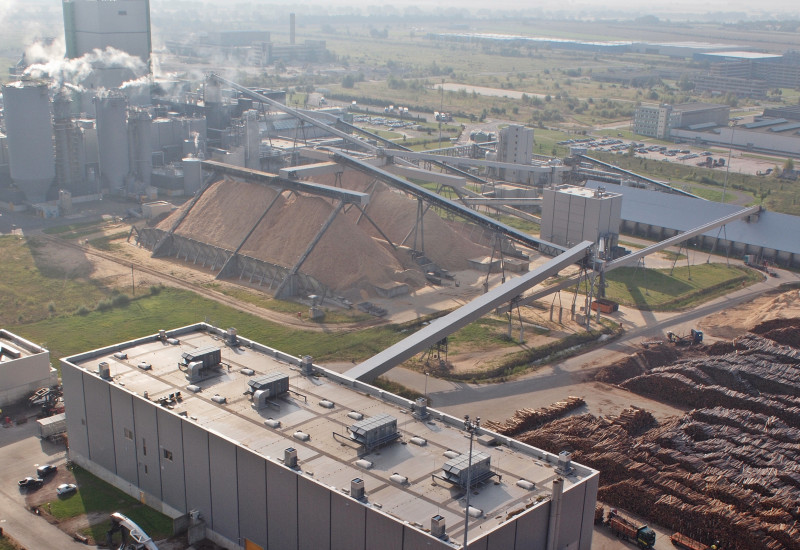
(728, 167)
(471, 427)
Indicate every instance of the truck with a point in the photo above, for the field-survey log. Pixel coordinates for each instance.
(52, 427)
(642, 536)
(694, 338)
(682, 541)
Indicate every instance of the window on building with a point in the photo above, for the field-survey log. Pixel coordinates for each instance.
(144, 446)
(128, 434)
(168, 455)
(122, 12)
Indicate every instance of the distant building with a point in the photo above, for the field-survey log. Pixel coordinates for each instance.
(120, 24)
(658, 121)
(515, 146)
(748, 74)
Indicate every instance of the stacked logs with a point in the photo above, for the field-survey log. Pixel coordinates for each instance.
(530, 419)
(728, 470)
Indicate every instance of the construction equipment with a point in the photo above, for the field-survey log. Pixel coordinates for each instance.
(642, 536)
(133, 536)
(694, 338)
(751, 260)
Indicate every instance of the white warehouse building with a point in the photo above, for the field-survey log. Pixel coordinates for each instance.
(263, 450)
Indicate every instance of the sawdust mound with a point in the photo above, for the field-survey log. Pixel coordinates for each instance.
(347, 256)
(447, 243)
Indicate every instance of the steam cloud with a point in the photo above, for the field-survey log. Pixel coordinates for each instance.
(74, 71)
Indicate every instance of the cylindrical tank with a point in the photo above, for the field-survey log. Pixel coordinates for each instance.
(141, 140)
(192, 175)
(31, 155)
(112, 137)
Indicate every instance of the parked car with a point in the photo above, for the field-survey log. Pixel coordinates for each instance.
(66, 488)
(45, 470)
(30, 483)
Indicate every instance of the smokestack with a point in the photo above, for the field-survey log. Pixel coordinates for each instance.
(291, 28)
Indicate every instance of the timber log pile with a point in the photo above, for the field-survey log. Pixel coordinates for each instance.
(530, 419)
(727, 470)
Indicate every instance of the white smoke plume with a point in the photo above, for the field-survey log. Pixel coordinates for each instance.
(74, 71)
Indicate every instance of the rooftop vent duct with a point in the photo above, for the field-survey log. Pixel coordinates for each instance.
(564, 463)
(290, 457)
(421, 409)
(200, 364)
(231, 337)
(307, 365)
(104, 370)
(357, 488)
(438, 527)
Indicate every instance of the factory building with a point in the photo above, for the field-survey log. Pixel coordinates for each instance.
(515, 146)
(29, 127)
(98, 24)
(658, 121)
(257, 449)
(24, 368)
(571, 215)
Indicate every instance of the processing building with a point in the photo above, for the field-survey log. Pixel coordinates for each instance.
(24, 368)
(265, 450)
(121, 24)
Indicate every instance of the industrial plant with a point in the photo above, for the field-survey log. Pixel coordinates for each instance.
(250, 447)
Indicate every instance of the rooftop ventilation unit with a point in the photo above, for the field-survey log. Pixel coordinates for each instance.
(421, 408)
(231, 337)
(456, 470)
(290, 457)
(437, 527)
(307, 365)
(564, 463)
(357, 489)
(104, 370)
(375, 431)
(200, 364)
(266, 387)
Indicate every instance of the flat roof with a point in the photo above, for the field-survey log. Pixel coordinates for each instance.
(745, 55)
(773, 230)
(334, 461)
(14, 347)
(589, 193)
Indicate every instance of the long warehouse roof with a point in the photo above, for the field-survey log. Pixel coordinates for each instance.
(773, 230)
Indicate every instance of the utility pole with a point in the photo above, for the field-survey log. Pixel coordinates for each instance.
(472, 428)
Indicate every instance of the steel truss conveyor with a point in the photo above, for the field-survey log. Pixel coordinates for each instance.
(474, 310)
(439, 201)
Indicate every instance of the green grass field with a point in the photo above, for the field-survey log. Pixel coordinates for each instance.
(95, 495)
(31, 290)
(657, 289)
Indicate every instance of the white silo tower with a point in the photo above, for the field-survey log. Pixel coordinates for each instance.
(112, 138)
(29, 127)
(141, 141)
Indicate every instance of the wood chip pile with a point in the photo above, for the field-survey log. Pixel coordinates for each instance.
(727, 470)
(529, 419)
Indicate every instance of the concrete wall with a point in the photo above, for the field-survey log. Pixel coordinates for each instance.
(19, 378)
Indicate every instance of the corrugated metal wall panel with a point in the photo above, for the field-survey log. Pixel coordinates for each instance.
(532, 528)
(314, 508)
(124, 448)
(224, 499)
(281, 507)
(252, 480)
(382, 532)
(72, 382)
(144, 415)
(348, 523)
(170, 448)
(196, 469)
(99, 425)
(572, 506)
(503, 538)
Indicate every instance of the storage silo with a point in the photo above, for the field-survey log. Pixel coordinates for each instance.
(29, 128)
(141, 141)
(192, 175)
(70, 147)
(112, 137)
